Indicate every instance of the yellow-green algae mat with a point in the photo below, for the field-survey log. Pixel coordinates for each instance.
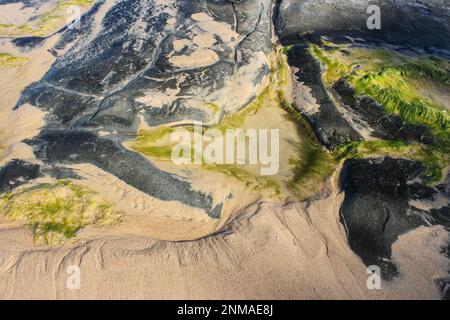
(56, 212)
(406, 86)
(310, 167)
(44, 24)
(9, 60)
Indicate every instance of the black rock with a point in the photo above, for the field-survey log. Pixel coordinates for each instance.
(406, 23)
(16, 173)
(385, 126)
(60, 148)
(376, 208)
(329, 125)
(101, 73)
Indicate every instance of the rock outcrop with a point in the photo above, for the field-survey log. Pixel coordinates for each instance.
(329, 124)
(383, 200)
(161, 62)
(385, 125)
(16, 173)
(418, 25)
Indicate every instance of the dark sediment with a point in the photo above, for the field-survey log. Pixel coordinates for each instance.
(17, 173)
(376, 209)
(82, 147)
(413, 25)
(386, 126)
(97, 80)
(330, 126)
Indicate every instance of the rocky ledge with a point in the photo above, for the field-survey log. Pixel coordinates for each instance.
(152, 62)
(382, 202)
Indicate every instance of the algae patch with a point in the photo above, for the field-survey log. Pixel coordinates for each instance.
(56, 212)
(433, 158)
(405, 86)
(46, 22)
(305, 165)
(9, 60)
(392, 79)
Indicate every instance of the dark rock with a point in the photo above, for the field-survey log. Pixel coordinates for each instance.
(329, 125)
(385, 126)
(376, 208)
(16, 173)
(60, 148)
(28, 42)
(98, 77)
(421, 24)
(444, 285)
(122, 63)
(441, 215)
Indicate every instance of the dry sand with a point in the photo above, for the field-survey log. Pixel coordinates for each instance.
(259, 250)
(269, 251)
(17, 14)
(25, 122)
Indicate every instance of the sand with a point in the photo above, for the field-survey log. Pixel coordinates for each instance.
(269, 251)
(198, 59)
(201, 38)
(260, 249)
(17, 14)
(43, 20)
(25, 122)
(145, 215)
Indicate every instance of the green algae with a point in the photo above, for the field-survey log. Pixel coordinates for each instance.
(147, 140)
(394, 80)
(432, 157)
(56, 212)
(46, 23)
(310, 167)
(237, 120)
(9, 60)
(388, 78)
(313, 165)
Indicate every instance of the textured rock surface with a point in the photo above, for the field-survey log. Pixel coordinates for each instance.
(377, 208)
(385, 198)
(97, 83)
(329, 124)
(421, 24)
(386, 126)
(172, 62)
(16, 173)
(158, 61)
(300, 21)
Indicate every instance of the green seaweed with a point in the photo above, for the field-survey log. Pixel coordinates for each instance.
(56, 212)
(398, 96)
(309, 170)
(387, 78)
(432, 157)
(213, 107)
(314, 164)
(394, 80)
(146, 140)
(9, 60)
(237, 120)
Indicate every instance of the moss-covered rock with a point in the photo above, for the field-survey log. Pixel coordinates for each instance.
(386, 89)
